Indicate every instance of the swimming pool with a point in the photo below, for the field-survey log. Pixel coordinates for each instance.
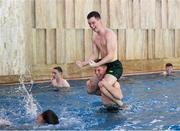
(154, 102)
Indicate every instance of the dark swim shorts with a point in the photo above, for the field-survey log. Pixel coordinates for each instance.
(115, 68)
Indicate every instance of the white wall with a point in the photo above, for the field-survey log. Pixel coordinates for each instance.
(12, 37)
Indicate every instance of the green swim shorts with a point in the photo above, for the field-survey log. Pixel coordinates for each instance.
(115, 68)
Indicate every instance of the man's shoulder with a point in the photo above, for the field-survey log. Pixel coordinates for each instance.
(109, 32)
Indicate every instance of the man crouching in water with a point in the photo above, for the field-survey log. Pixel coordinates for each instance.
(93, 88)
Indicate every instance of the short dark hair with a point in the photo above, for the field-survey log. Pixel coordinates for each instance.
(50, 117)
(94, 14)
(169, 64)
(58, 68)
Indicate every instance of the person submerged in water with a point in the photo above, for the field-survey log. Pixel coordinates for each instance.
(93, 88)
(168, 69)
(57, 78)
(47, 117)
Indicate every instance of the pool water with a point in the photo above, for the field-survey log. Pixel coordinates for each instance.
(154, 103)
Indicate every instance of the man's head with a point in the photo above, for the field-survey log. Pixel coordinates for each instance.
(169, 68)
(100, 71)
(56, 72)
(48, 117)
(94, 20)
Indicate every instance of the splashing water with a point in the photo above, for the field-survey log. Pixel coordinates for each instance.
(31, 105)
(4, 122)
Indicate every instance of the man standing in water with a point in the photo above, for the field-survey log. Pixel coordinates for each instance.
(104, 45)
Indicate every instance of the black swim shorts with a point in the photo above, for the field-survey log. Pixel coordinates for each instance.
(112, 107)
(115, 68)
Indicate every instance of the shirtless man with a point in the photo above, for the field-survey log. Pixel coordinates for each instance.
(104, 45)
(57, 78)
(93, 88)
(168, 69)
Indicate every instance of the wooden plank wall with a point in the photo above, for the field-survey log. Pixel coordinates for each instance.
(148, 34)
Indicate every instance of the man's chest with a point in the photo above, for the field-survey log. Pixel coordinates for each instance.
(101, 43)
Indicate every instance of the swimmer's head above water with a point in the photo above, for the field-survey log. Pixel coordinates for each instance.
(56, 72)
(48, 117)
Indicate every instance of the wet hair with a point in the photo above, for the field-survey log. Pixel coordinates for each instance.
(94, 14)
(168, 64)
(50, 117)
(58, 68)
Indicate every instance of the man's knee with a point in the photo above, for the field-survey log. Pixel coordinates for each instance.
(90, 90)
(91, 87)
(100, 84)
(103, 83)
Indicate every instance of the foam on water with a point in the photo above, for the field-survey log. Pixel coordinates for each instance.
(4, 122)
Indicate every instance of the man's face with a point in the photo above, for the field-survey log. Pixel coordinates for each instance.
(94, 23)
(100, 71)
(169, 70)
(55, 73)
(40, 119)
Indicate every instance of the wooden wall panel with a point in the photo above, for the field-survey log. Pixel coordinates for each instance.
(169, 43)
(60, 4)
(50, 46)
(87, 43)
(79, 14)
(97, 5)
(159, 45)
(105, 12)
(69, 14)
(164, 13)
(129, 14)
(60, 46)
(80, 51)
(136, 44)
(33, 12)
(70, 39)
(34, 46)
(45, 14)
(158, 14)
(40, 46)
(173, 14)
(118, 20)
(136, 14)
(164, 43)
(177, 43)
(147, 14)
(122, 44)
(82, 8)
(129, 44)
(151, 44)
(29, 20)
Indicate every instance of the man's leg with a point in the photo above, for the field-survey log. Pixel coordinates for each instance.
(107, 88)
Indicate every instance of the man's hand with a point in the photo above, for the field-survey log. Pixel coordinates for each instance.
(92, 63)
(79, 64)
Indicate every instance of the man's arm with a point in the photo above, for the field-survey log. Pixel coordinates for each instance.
(94, 55)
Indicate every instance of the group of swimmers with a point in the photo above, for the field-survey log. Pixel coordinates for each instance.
(108, 69)
(58, 81)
